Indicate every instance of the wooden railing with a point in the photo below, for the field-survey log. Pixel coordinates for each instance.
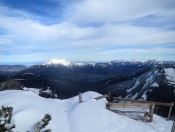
(132, 103)
(113, 99)
(143, 102)
(128, 105)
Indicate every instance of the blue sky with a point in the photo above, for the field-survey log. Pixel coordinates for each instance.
(86, 30)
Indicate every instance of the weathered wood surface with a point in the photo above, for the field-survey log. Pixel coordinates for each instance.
(80, 98)
(173, 127)
(132, 100)
(142, 101)
(148, 116)
(169, 114)
(129, 105)
(126, 111)
(151, 112)
(10, 115)
(101, 97)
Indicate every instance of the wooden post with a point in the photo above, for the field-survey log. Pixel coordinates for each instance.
(110, 97)
(10, 114)
(107, 106)
(152, 106)
(173, 127)
(149, 116)
(80, 98)
(169, 114)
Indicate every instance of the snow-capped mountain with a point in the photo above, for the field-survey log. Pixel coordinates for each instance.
(149, 80)
(156, 84)
(57, 62)
(113, 68)
(106, 64)
(132, 79)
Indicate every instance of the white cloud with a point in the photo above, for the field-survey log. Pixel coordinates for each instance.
(136, 54)
(102, 11)
(137, 51)
(26, 35)
(4, 41)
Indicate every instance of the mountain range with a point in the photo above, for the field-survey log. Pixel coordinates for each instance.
(133, 79)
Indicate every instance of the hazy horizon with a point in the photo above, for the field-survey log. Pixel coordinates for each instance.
(41, 62)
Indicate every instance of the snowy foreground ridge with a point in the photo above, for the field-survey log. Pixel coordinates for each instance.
(71, 116)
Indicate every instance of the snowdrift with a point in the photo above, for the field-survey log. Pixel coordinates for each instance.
(71, 116)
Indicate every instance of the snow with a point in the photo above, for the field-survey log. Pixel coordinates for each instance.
(57, 61)
(48, 91)
(34, 90)
(30, 108)
(93, 64)
(19, 79)
(71, 116)
(170, 75)
(155, 84)
(136, 84)
(37, 90)
(144, 96)
(28, 74)
(149, 81)
(80, 64)
(136, 94)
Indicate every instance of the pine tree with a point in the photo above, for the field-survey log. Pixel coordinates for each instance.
(5, 119)
(43, 123)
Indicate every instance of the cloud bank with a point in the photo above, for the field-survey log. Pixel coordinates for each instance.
(92, 30)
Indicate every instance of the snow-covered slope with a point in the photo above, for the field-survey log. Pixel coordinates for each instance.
(71, 116)
(152, 80)
(170, 75)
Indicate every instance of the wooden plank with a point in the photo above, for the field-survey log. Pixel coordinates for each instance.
(101, 97)
(142, 101)
(118, 111)
(169, 114)
(110, 98)
(107, 106)
(173, 127)
(80, 98)
(129, 105)
(152, 106)
(10, 114)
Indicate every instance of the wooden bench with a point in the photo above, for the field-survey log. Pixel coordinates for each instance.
(132, 101)
(110, 98)
(148, 115)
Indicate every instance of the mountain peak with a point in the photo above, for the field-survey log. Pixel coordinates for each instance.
(56, 62)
